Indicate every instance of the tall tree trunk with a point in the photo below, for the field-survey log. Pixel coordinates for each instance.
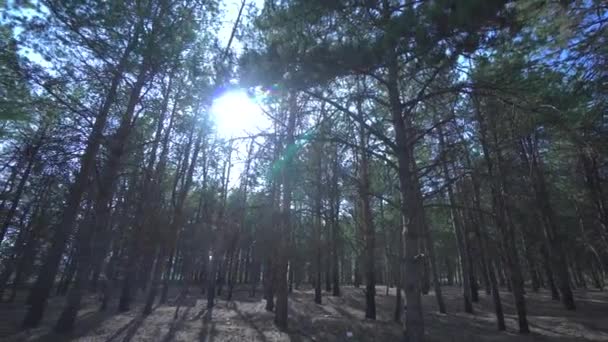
(178, 216)
(479, 222)
(335, 256)
(549, 273)
(425, 283)
(369, 232)
(327, 263)
(591, 171)
(9, 184)
(596, 268)
(44, 282)
(269, 284)
(31, 152)
(23, 249)
(399, 269)
(155, 281)
(554, 245)
(506, 231)
(412, 208)
(147, 211)
(318, 268)
(241, 229)
(530, 260)
(335, 222)
(69, 269)
(433, 263)
(458, 226)
(450, 271)
(218, 250)
(281, 311)
(102, 208)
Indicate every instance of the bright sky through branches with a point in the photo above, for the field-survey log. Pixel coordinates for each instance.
(235, 113)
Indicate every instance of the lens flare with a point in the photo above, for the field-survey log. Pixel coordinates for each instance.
(237, 114)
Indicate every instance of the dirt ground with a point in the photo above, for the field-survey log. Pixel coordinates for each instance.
(337, 319)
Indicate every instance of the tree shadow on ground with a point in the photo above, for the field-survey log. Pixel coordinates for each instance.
(251, 321)
(176, 325)
(130, 328)
(207, 333)
(85, 323)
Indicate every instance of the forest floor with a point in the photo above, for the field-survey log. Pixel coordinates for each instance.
(337, 319)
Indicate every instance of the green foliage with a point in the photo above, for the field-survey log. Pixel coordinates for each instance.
(14, 92)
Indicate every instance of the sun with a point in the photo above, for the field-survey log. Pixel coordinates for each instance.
(236, 114)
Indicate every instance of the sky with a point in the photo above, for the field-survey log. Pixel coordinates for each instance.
(231, 8)
(236, 113)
